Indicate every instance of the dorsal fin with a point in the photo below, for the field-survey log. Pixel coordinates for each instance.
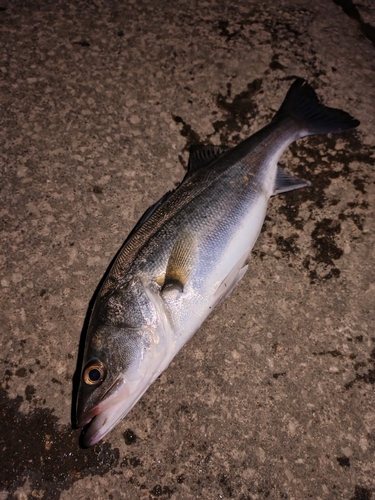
(201, 155)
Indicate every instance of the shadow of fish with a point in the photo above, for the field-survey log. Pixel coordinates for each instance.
(185, 256)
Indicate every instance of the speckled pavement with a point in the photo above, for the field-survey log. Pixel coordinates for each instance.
(274, 396)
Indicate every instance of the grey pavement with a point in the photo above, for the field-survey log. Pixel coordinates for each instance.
(273, 398)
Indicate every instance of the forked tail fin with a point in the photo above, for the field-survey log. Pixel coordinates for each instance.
(302, 104)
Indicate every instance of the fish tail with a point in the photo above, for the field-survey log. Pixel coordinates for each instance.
(302, 104)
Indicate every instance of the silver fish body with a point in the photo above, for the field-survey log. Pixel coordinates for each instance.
(184, 257)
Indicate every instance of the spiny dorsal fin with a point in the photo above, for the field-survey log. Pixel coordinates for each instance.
(180, 263)
(285, 182)
(201, 155)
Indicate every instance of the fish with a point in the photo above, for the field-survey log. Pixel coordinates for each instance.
(184, 257)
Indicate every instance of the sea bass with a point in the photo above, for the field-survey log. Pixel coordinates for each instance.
(184, 257)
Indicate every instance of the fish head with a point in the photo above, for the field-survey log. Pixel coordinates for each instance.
(119, 364)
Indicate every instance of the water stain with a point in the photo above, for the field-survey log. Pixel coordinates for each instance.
(38, 450)
(322, 264)
(82, 43)
(226, 485)
(275, 64)
(361, 493)
(238, 111)
(192, 137)
(158, 491)
(130, 437)
(323, 159)
(131, 461)
(97, 189)
(367, 377)
(223, 26)
(343, 461)
(334, 353)
(287, 245)
(356, 218)
(21, 372)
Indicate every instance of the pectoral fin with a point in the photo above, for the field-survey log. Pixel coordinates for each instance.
(180, 263)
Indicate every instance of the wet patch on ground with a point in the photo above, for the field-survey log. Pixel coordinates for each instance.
(361, 493)
(161, 491)
(238, 111)
(343, 461)
(191, 136)
(227, 30)
(365, 371)
(321, 161)
(288, 244)
(363, 365)
(326, 251)
(37, 451)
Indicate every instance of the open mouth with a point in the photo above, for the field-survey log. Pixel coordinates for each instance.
(105, 415)
(92, 432)
(90, 414)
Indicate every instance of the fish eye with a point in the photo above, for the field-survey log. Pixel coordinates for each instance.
(94, 373)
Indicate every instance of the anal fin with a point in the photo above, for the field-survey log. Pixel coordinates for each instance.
(285, 182)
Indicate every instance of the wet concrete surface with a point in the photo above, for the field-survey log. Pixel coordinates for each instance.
(274, 396)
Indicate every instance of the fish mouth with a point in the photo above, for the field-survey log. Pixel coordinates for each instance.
(105, 415)
(113, 407)
(86, 418)
(90, 414)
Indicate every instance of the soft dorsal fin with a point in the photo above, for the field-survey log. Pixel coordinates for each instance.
(180, 263)
(285, 182)
(201, 155)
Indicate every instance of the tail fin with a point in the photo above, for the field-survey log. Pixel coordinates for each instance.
(302, 104)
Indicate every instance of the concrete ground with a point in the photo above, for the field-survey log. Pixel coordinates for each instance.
(274, 396)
